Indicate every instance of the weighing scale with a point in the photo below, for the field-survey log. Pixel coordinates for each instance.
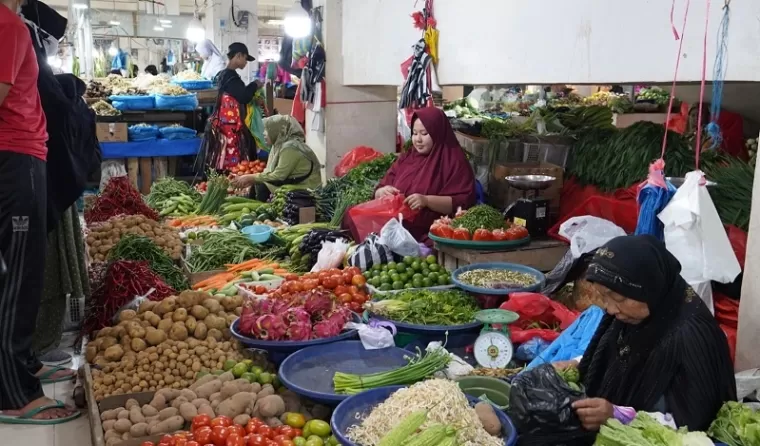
(532, 213)
(493, 349)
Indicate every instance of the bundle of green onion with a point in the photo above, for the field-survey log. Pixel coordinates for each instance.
(419, 368)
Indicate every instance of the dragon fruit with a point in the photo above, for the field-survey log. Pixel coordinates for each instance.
(269, 327)
(299, 330)
(297, 315)
(318, 305)
(326, 329)
(247, 318)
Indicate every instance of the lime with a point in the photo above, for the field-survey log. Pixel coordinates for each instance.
(385, 286)
(417, 266)
(427, 282)
(266, 378)
(398, 285)
(435, 267)
(404, 277)
(385, 278)
(400, 267)
(376, 273)
(377, 267)
(367, 274)
(431, 259)
(391, 265)
(217, 372)
(375, 282)
(408, 286)
(433, 277)
(239, 369)
(417, 282)
(409, 260)
(257, 370)
(417, 276)
(247, 362)
(396, 277)
(425, 272)
(229, 364)
(250, 377)
(319, 428)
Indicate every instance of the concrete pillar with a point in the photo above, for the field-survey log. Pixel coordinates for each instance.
(747, 356)
(223, 31)
(353, 116)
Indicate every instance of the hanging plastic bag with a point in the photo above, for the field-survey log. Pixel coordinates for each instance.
(354, 157)
(653, 195)
(540, 406)
(587, 233)
(371, 252)
(533, 309)
(395, 236)
(370, 217)
(695, 235)
(376, 334)
(574, 341)
(331, 255)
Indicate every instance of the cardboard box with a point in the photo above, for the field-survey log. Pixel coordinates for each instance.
(307, 215)
(112, 131)
(501, 194)
(283, 106)
(481, 150)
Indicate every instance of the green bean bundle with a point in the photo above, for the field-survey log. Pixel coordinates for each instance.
(220, 248)
(135, 247)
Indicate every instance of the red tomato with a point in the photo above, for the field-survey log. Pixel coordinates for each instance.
(461, 234)
(482, 235)
(280, 438)
(271, 443)
(256, 440)
(260, 289)
(499, 235)
(334, 271)
(446, 231)
(330, 283)
(250, 428)
(354, 270)
(521, 232)
(200, 421)
(356, 307)
(193, 443)
(360, 298)
(167, 439)
(181, 441)
(265, 431)
(237, 429)
(347, 277)
(147, 443)
(221, 421)
(341, 289)
(235, 440)
(359, 280)
(297, 432)
(203, 435)
(219, 435)
(345, 298)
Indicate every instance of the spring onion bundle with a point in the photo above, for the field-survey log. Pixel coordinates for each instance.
(419, 368)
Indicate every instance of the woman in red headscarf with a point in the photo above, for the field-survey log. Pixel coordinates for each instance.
(434, 175)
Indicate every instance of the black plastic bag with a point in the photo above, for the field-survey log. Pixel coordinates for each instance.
(540, 406)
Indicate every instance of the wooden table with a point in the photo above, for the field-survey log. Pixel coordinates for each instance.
(542, 255)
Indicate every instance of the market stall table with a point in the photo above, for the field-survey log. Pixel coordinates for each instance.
(542, 255)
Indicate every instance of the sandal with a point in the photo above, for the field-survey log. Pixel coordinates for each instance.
(27, 417)
(45, 378)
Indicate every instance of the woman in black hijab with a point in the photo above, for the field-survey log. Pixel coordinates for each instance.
(659, 348)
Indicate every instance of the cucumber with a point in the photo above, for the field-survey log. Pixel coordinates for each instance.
(265, 271)
(267, 277)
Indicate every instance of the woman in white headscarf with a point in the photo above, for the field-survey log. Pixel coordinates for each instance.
(213, 60)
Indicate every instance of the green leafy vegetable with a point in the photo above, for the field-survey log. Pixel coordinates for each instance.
(451, 307)
(736, 425)
(646, 431)
(480, 216)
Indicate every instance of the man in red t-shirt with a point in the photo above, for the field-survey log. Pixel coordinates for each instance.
(23, 232)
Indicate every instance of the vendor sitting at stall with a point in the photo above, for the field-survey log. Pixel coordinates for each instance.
(658, 349)
(434, 175)
(290, 161)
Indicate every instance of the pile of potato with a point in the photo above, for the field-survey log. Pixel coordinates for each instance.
(164, 344)
(104, 236)
(211, 395)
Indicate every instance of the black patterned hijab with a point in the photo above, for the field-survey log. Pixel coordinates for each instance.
(678, 354)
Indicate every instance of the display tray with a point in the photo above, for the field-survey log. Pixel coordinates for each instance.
(470, 244)
(538, 275)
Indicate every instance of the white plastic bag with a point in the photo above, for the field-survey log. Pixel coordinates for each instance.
(395, 236)
(457, 367)
(110, 169)
(376, 334)
(695, 235)
(747, 383)
(587, 233)
(134, 304)
(331, 255)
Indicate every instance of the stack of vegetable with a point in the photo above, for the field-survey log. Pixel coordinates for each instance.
(280, 198)
(481, 223)
(254, 270)
(736, 425)
(449, 307)
(733, 194)
(163, 344)
(572, 377)
(118, 198)
(412, 272)
(348, 286)
(646, 431)
(236, 208)
(305, 255)
(215, 249)
(654, 95)
(216, 192)
(441, 403)
(173, 198)
(308, 315)
(134, 247)
(193, 221)
(104, 236)
(294, 201)
(497, 278)
(248, 167)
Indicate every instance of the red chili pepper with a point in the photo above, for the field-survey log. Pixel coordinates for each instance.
(482, 235)
(461, 234)
(118, 197)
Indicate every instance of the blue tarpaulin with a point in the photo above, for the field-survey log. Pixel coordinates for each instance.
(574, 340)
(146, 149)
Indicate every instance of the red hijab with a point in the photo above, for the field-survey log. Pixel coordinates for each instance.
(444, 171)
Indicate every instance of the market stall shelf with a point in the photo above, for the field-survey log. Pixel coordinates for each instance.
(309, 372)
(542, 255)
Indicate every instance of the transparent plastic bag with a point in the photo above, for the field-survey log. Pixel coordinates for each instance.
(133, 305)
(587, 233)
(395, 236)
(110, 169)
(376, 334)
(331, 255)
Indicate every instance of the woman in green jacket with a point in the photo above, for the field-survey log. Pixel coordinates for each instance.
(290, 161)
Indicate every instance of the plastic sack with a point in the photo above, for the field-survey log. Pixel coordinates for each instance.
(202, 84)
(376, 334)
(371, 216)
(142, 132)
(331, 255)
(528, 351)
(574, 341)
(540, 406)
(125, 102)
(695, 235)
(110, 169)
(395, 236)
(536, 308)
(370, 253)
(188, 102)
(173, 133)
(587, 233)
(354, 157)
(654, 194)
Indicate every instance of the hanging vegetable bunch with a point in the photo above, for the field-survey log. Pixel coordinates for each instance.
(118, 198)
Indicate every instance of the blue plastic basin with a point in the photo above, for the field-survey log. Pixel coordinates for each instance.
(458, 335)
(258, 233)
(355, 408)
(309, 372)
(538, 275)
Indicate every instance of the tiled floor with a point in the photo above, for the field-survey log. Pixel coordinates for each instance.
(73, 433)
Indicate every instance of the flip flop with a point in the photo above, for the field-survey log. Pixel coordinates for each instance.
(26, 418)
(55, 358)
(45, 377)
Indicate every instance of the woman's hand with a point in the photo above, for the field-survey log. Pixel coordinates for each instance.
(593, 412)
(242, 181)
(386, 191)
(561, 365)
(416, 201)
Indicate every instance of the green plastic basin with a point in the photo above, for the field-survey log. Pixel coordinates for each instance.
(496, 390)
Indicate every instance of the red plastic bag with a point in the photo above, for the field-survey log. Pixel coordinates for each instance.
(371, 216)
(535, 308)
(355, 157)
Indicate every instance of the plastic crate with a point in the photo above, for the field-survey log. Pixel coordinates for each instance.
(553, 150)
